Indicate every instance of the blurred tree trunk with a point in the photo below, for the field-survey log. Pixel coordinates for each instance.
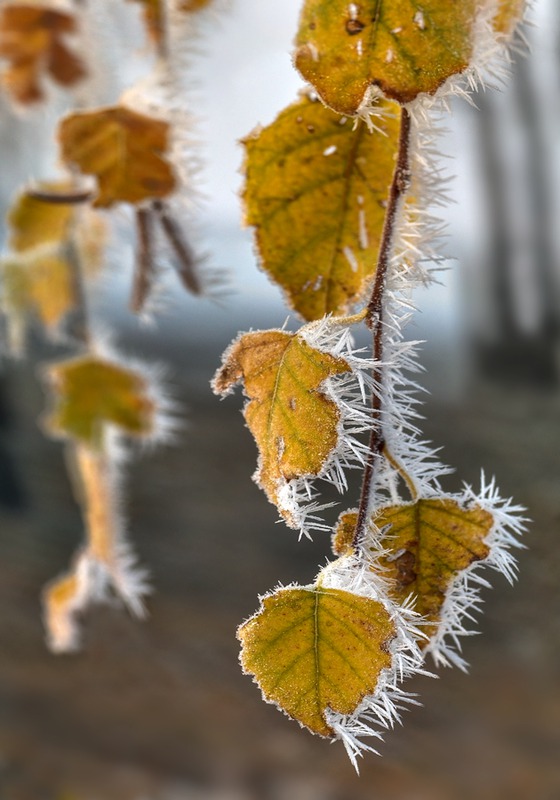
(511, 350)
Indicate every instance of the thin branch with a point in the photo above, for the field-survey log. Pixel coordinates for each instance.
(182, 249)
(61, 198)
(374, 319)
(144, 268)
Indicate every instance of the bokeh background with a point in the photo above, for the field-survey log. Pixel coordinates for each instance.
(159, 710)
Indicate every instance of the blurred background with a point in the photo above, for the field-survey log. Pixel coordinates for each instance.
(159, 710)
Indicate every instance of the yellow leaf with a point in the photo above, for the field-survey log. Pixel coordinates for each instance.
(312, 649)
(293, 422)
(90, 392)
(431, 542)
(35, 222)
(316, 192)
(124, 150)
(32, 41)
(400, 46)
(509, 13)
(41, 283)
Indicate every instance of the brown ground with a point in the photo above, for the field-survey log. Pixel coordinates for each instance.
(160, 711)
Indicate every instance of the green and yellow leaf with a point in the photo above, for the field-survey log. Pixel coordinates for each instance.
(400, 46)
(312, 649)
(90, 392)
(294, 423)
(32, 41)
(124, 150)
(34, 222)
(509, 13)
(42, 284)
(431, 542)
(316, 192)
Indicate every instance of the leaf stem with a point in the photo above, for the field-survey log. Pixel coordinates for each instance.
(398, 467)
(374, 319)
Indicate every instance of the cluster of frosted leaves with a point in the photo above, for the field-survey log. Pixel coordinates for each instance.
(316, 192)
(33, 42)
(331, 654)
(283, 377)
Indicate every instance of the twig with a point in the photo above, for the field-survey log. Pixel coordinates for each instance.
(374, 319)
(181, 248)
(144, 268)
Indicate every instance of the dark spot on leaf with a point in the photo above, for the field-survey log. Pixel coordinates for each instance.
(405, 568)
(354, 26)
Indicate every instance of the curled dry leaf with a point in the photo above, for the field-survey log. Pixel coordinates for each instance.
(124, 150)
(402, 47)
(316, 192)
(32, 40)
(90, 392)
(282, 376)
(312, 649)
(431, 542)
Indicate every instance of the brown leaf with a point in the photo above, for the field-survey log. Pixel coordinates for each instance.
(32, 40)
(124, 150)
